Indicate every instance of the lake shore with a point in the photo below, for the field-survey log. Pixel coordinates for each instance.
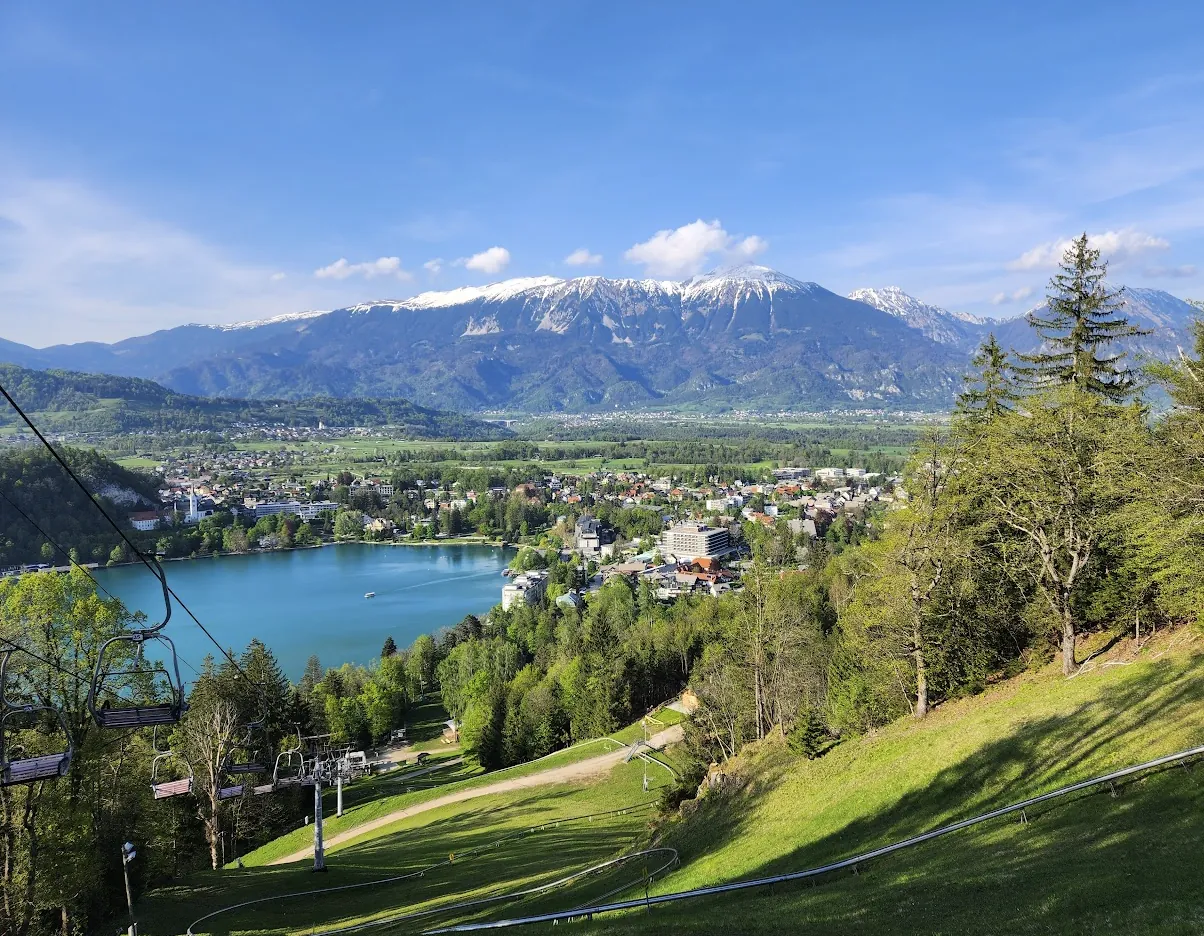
(311, 600)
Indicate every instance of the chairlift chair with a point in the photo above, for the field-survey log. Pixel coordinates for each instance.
(165, 712)
(162, 789)
(17, 769)
(289, 770)
(252, 764)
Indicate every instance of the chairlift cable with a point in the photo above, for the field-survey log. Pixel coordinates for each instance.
(83, 568)
(33, 523)
(62, 669)
(153, 567)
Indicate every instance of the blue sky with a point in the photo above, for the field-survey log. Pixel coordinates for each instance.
(168, 163)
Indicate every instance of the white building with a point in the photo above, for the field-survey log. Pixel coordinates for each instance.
(304, 511)
(145, 520)
(529, 588)
(696, 541)
(593, 539)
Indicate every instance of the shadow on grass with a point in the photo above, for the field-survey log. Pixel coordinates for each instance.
(543, 855)
(1086, 863)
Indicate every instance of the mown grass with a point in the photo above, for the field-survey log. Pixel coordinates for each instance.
(1123, 860)
(1101, 862)
(367, 800)
(541, 856)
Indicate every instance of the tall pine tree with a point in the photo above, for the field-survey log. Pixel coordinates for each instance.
(990, 389)
(1083, 320)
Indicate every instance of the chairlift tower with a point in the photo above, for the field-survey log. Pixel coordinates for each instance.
(319, 849)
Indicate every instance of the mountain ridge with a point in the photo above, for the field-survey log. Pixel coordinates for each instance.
(739, 338)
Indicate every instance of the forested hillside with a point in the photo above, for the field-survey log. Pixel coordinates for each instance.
(66, 401)
(34, 486)
(1053, 509)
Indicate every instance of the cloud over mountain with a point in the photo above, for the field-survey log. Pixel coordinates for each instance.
(341, 269)
(490, 261)
(688, 250)
(582, 257)
(1117, 246)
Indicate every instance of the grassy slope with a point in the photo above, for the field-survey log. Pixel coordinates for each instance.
(1098, 863)
(370, 799)
(542, 856)
(1093, 863)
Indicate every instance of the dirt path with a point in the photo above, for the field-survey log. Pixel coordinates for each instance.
(591, 767)
(414, 774)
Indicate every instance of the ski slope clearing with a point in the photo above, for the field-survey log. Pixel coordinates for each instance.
(589, 769)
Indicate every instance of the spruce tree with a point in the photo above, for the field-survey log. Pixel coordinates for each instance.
(990, 390)
(389, 648)
(1084, 318)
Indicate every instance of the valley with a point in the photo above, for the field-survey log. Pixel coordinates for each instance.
(747, 338)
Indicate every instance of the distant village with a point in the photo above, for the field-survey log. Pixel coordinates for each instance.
(679, 538)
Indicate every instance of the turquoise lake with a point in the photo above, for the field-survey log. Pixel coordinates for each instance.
(312, 600)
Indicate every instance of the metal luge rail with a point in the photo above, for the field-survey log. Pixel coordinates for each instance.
(670, 856)
(420, 872)
(637, 903)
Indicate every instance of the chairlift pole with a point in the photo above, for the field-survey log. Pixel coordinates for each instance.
(127, 855)
(644, 721)
(339, 781)
(319, 851)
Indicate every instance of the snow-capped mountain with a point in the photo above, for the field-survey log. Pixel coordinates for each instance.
(952, 328)
(1167, 318)
(746, 338)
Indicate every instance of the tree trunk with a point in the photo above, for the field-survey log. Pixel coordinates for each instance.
(1067, 638)
(921, 681)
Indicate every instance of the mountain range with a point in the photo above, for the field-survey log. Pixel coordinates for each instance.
(747, 338)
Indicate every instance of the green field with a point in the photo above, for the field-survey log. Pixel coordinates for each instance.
(367, 800)
(1105, 861)
(1122, 860)
(429, 839)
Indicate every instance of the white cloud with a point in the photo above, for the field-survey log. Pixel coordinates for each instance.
(278, 276)
(1171, 272)
(750, 247)
(490, 261)
(78, 265)
(433, 266)
(582, 257)
(382, 266)
(1016, 295)
(688, 249)
(1117, 246)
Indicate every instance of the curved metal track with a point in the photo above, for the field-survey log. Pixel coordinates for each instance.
(467, 853)
(589, 912)
(671, 859)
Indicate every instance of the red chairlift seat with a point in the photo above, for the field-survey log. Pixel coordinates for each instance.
(162, 789)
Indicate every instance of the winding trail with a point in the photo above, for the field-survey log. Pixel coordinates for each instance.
(581, 770)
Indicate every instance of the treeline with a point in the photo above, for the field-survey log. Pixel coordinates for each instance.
(709, 457)
(1053, 506)
(101, 404)
(60, 840)
(865, 435)
(34, 489)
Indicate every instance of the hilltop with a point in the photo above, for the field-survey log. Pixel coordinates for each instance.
(67, 401)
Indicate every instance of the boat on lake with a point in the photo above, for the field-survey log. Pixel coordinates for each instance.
(369, 594)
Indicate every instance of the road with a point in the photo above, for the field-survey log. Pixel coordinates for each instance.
(582, 770)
